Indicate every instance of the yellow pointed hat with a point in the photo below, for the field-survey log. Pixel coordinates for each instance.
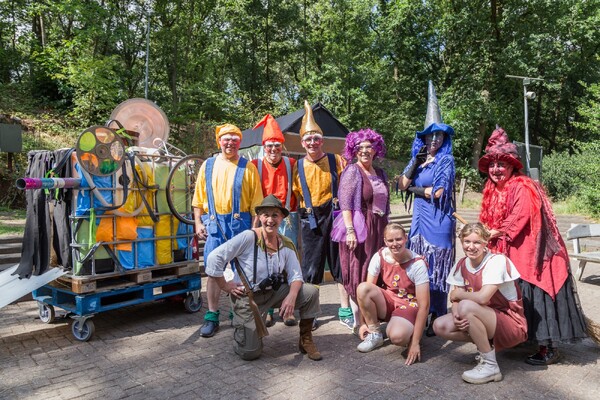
(227, 129)
(309, 124)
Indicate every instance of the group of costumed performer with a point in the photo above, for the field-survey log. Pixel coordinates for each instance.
(276, 173)
(429, 179)
(523, 227)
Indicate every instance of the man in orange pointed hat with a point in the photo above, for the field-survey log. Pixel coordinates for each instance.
(227, 192)
(276, 173)
(316, 186)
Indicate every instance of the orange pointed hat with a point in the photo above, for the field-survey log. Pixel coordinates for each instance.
(309, 125)
(271, 131)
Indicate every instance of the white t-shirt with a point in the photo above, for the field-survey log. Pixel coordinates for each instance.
(242, 247)
(416, 272)
(494, 274)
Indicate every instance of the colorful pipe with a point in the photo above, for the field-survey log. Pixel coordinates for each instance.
(47, 183)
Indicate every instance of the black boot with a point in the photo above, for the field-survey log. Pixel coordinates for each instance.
(544, 356)
(429, 332)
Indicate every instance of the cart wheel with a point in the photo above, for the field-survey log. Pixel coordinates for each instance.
(181, 184)
(83, 331)
(192, 306)
(46, 312)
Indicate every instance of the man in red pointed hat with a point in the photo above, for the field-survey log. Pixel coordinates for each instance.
(523, 227)
(276, 173)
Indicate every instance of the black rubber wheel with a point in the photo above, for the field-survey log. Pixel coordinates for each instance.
(47, 313)
(181, 184)
(83, 332)
(192, 306)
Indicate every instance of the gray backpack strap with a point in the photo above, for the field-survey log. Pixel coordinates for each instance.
(288, 169)
(259, 165)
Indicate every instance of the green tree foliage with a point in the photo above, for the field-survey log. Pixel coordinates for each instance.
(589, 110)
(368, 61)
(575, 176)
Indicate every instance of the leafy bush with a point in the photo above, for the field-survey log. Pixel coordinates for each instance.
(474, 179)
(560, 175)
(10, 196)
(575, 176)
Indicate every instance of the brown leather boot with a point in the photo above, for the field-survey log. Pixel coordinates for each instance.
(306, 344)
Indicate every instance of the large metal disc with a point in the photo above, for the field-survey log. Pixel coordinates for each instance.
(100, 151)
(144, 117)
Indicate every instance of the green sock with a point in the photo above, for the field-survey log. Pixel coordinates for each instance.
(212, 316)
(345, 312)
(271, 311)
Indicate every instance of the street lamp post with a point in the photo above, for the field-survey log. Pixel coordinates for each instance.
(530, 96)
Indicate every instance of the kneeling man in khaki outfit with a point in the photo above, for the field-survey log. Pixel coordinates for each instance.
(270, 263)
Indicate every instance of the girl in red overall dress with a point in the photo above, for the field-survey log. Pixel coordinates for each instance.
(486, 304)
(402, 298)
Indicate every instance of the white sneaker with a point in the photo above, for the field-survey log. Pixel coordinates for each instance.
(371, 342)
(486, 371)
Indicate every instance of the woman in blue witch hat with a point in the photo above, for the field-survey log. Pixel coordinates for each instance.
(429, 178)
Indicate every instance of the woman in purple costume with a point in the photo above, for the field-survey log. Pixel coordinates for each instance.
(365, 204)
(429, 176)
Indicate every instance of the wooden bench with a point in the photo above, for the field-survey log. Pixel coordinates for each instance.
(582, 231)
(405, 220)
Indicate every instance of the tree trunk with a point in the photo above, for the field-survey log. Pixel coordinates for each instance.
(267, 43)
(172, 71)
(42, 31)
(478, 145)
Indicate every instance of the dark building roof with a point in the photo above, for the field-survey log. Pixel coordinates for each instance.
(329, 124)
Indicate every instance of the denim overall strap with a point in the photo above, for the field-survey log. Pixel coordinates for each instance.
(306, 195)
(237, 186)
(209, 191)
(334, 180)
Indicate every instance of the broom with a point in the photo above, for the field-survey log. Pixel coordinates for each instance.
(592, 330)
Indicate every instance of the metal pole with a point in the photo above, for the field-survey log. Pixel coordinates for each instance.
(147, 57)
(526, 81)
(527, 157)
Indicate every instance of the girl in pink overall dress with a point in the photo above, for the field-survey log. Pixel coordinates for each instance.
(486, 304)
(396, 290)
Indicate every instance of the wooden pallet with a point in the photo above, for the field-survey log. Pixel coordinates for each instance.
(88, 284)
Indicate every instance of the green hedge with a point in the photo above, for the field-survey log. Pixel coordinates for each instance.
(575, 177)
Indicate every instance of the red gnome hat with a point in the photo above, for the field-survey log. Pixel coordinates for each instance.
(272, 131)
(499, 148)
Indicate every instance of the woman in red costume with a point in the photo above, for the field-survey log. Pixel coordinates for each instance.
(522, 225)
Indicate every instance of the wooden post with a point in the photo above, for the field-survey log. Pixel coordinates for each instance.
(461, 193)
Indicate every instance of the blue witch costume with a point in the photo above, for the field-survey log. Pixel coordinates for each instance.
(433, 226)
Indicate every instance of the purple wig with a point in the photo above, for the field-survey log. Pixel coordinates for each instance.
(354, 139)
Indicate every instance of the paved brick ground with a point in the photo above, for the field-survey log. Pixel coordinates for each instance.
(154, 351)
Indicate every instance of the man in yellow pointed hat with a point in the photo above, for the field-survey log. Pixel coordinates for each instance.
(276, 173)
(316, 186)
(227, 192)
